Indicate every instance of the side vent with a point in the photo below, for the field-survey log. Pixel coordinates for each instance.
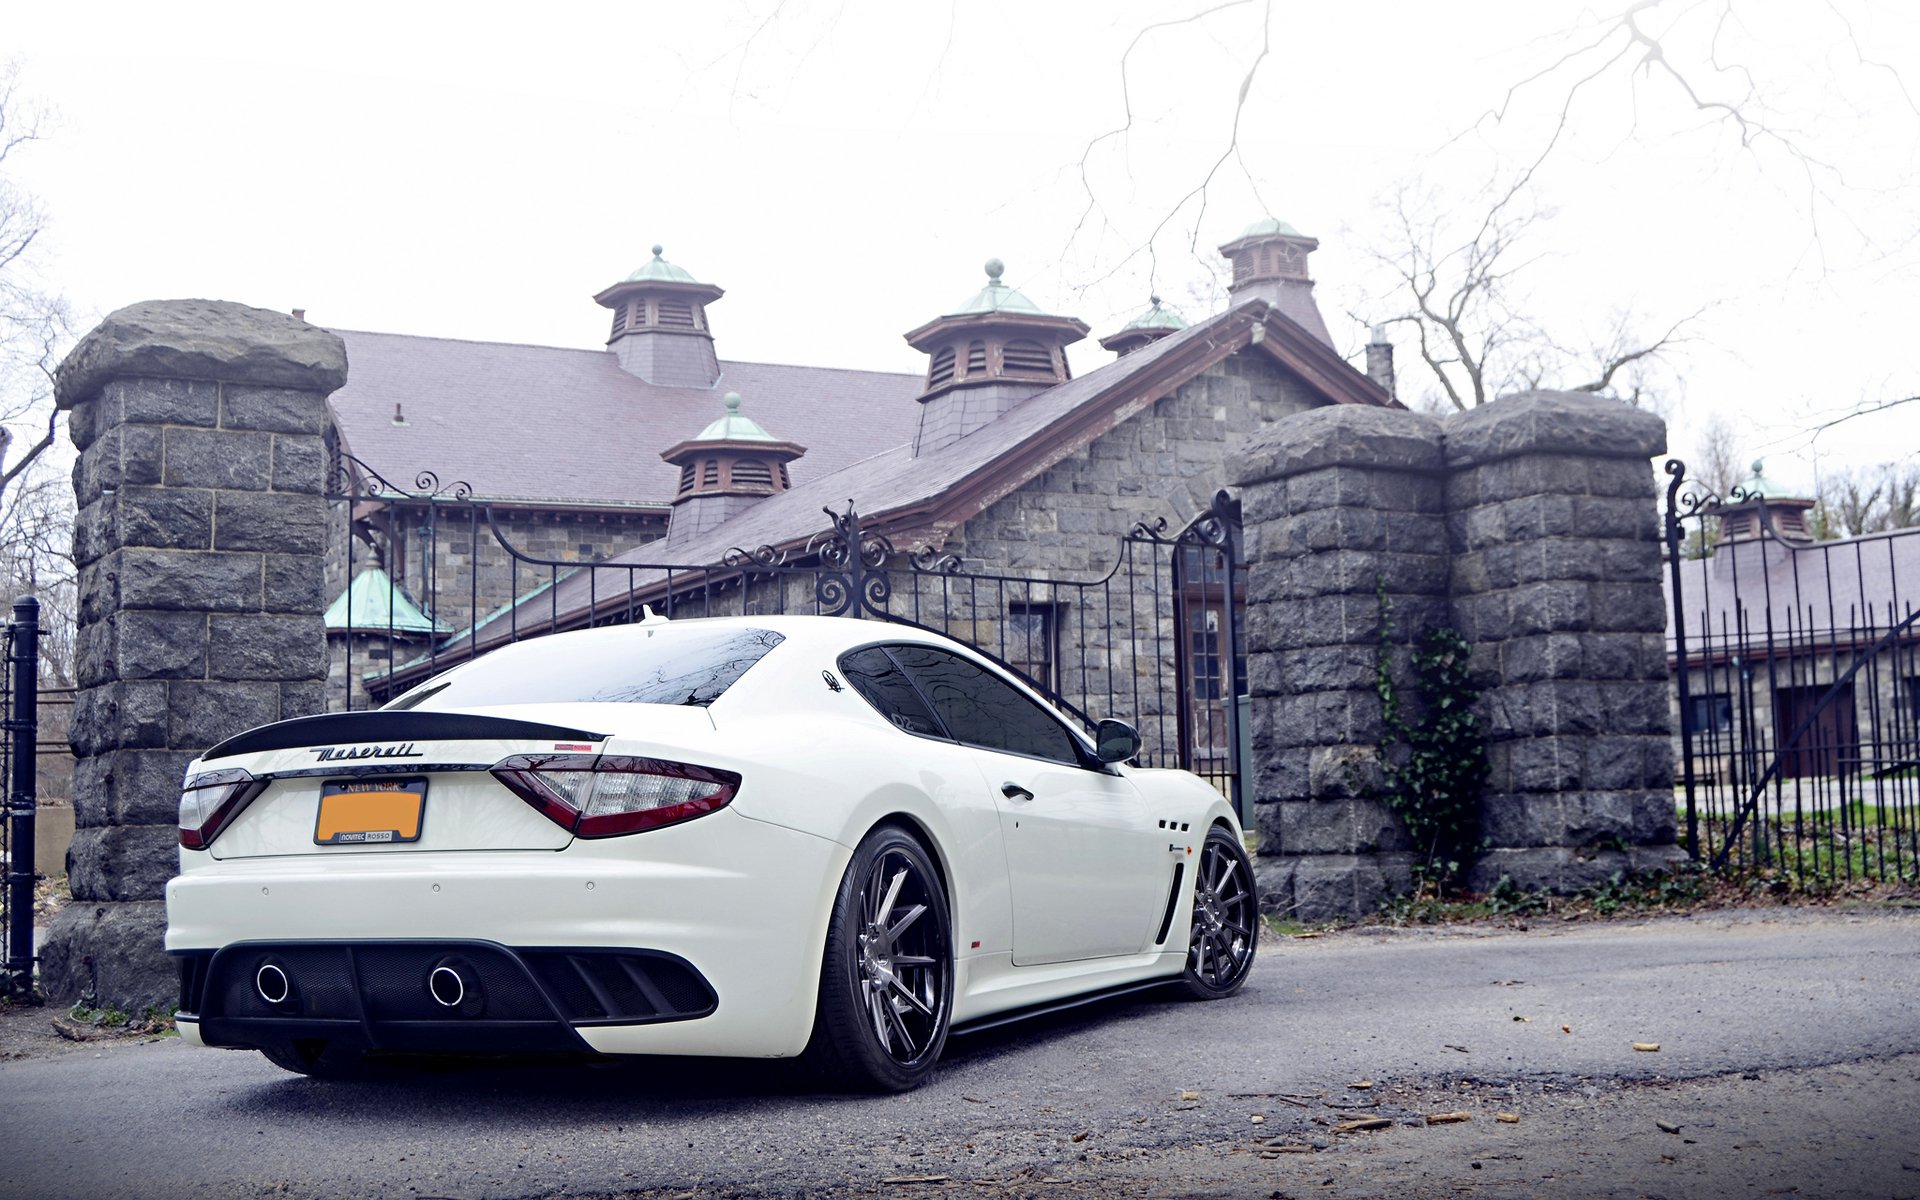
(977, 358)
(1027, 357)
(1173, 902)
(940, 373)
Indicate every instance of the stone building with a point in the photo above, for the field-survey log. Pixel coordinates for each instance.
(656, 450)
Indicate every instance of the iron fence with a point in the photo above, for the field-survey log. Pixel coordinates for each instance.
(1796, 668)
(19, 745)
(1151, 635)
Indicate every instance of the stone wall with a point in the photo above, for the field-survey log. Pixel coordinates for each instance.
(199, 543)
(1530, 526)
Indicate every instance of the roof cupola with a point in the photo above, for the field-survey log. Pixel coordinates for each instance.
(1767, 509)
(1150, 326)
(660, 330)
(725, 469)
(1270, 263)
(988, 355)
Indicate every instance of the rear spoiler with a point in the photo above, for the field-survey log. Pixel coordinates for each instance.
(391, 726)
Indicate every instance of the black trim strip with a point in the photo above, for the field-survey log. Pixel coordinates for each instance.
(1017, 1015)
(397, 726)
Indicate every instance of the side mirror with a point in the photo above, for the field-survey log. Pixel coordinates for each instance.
(1115, 741)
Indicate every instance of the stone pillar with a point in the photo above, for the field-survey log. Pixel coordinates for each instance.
(199, 543)
(1342, 508)
(1556, 585)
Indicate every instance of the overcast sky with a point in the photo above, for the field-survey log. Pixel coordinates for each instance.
(843, 169)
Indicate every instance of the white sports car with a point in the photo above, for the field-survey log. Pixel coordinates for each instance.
(765, 836)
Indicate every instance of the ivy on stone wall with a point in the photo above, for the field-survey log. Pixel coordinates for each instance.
(1435, 762)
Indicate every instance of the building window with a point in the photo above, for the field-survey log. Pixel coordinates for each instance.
(1031, 644)
(1709, 714)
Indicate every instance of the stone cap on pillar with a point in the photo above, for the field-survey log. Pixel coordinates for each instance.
(1547, 422)
(202, 339)
(1340, 435)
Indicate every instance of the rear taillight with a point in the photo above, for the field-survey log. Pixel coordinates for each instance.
(211, 800)
(606, 795)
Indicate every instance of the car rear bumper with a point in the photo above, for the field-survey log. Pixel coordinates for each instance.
(742, 903)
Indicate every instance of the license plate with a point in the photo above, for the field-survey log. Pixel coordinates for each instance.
(357, 812)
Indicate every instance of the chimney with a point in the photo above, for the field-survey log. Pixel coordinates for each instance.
(299, 314)
(1380, 361)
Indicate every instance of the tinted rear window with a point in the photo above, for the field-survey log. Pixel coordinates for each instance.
(653, 666)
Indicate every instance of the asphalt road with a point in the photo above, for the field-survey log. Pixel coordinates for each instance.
(1153, 1097)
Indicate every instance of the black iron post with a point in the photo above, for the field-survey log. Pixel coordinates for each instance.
(23, 731)
(1675, 534)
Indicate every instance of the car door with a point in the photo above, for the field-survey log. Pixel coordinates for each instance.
(1087, 869)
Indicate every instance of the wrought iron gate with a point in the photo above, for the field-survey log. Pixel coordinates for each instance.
(1154, 637)
(1797, 694)
(19, 743)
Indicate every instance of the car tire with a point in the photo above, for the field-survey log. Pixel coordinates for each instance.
(1226, 918)
(886, 972)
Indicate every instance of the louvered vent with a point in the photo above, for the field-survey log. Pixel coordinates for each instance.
(752, 473)
(619, 321)
(710, 472)
(1242, 266)
(676, 314)
(940, 373)
(1029, 358)
(686, 479)
(977, 358)
(785, 481)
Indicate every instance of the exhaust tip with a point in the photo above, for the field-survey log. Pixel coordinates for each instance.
(272, 983)
(446, 986)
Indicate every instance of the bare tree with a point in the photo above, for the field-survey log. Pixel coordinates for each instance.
(1458, 288)
(1868, 500)
(34, 325)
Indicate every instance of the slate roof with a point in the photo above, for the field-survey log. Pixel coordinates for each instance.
(561, 426)
(1819, 593)
(923, 499)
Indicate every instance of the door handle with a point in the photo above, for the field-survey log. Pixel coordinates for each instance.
(1014, 791)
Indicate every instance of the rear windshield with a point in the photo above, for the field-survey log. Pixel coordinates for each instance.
(653, 666)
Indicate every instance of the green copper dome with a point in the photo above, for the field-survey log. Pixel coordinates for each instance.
(659, 270)
(1156, 317)
(372, 603)
(997, 296)
(1267, 228)
(733, 427)
(1759, 485)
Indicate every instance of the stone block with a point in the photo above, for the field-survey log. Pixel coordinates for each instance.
(1542, 656)
(1280, 772)
(204, 714)
(113, 955)
(1600, 820)
(1345, 667)
(299, 464)
(124, 862)
(143, 454)
(1344, 773)
(83, 423)
(272, 409)
(1630, 518)
(302, 699)
(159, 645)
(201, 339)
(167, 518)
(1654, 816)
(1339, 435)
(1349, 826)
(1548, 422)
(1524, 819)
(1640, 707)
(148, 400)
(196, 580)
(274, 522)
(128, 787)
(1550, 607)
(293, 583)
(1542, 515)
(1614, 762)
(219, 458)
(119, 716)
(1545, 868)
(1330, 887)
(97, 469)
(266, 646)
(1623, 477)
(1541, 764)
(1629, 607)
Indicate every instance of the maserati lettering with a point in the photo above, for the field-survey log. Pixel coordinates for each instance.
(337, 753)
